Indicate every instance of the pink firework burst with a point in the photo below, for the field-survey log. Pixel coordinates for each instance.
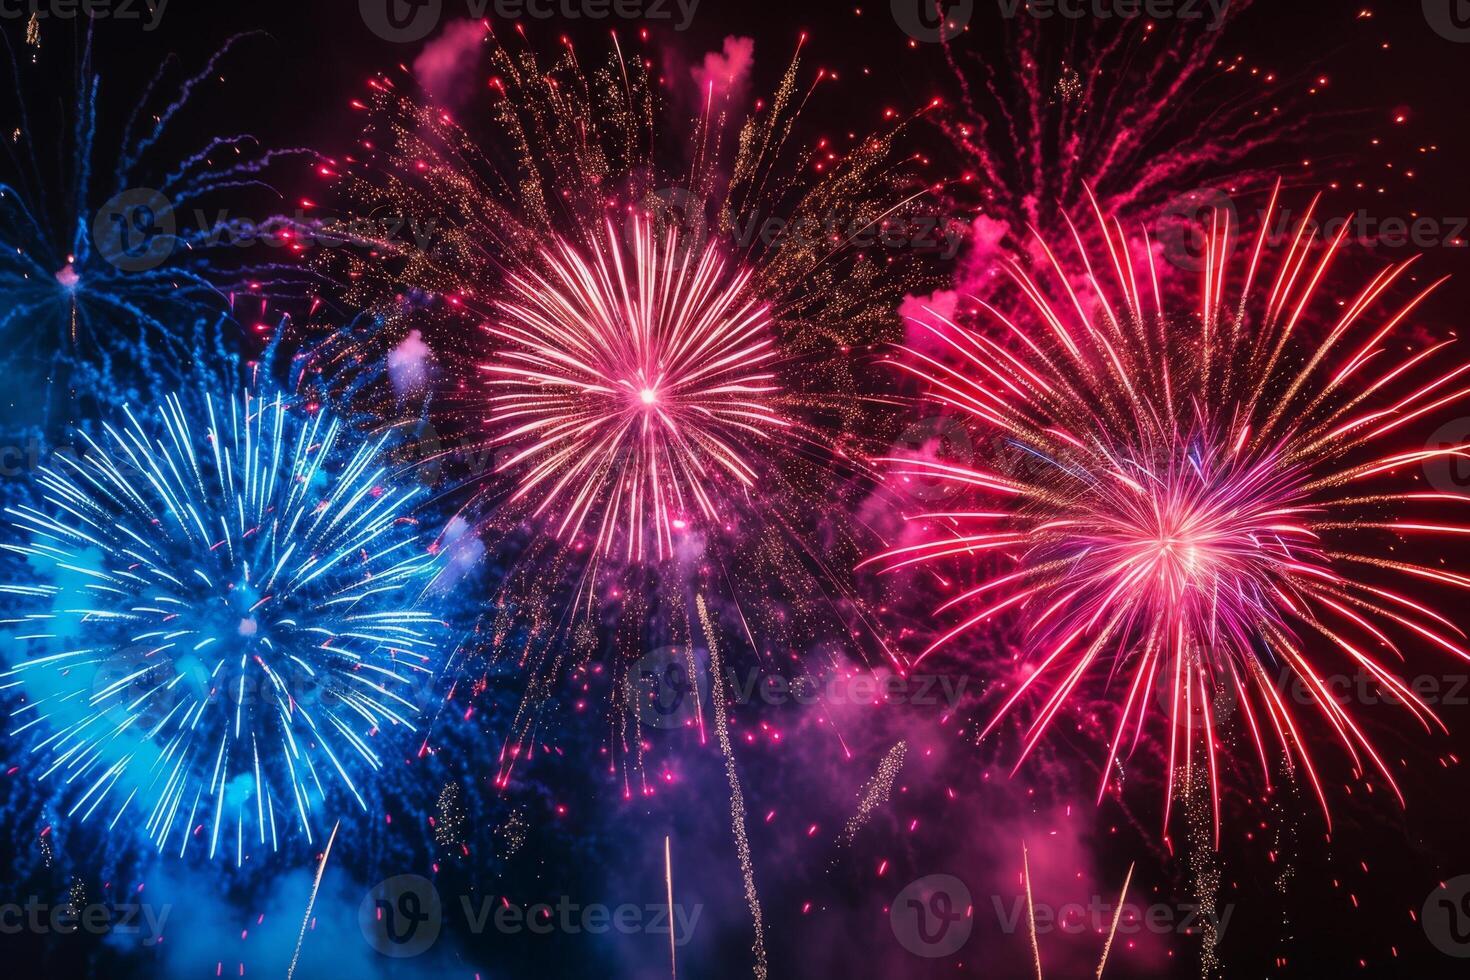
(1193, 506)
(630, 381)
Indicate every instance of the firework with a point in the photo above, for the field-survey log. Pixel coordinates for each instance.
(1192, 507)
(99, 252)
(221, 621)
(648, 349)
(643, 383)
(1147, 121)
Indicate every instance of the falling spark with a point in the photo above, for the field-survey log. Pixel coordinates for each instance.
(1030, 910)
(877, 791)
(669, 885)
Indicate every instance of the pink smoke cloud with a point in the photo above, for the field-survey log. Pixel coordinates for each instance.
(444, 64)
(726, 72)
(408, 365)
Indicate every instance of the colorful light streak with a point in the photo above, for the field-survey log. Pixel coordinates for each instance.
(222, 619)
(1196, 498)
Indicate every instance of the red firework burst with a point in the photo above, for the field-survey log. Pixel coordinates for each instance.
(630, 381)
(1202, 503)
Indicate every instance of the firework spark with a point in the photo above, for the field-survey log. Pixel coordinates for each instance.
(1111, 116)
(650, 360)
(98, 249)
(639, 381)
(1196, 506)
(223, 617)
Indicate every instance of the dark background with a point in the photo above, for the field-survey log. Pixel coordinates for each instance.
(1350, 907)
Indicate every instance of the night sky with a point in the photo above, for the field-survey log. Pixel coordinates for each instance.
(1369, 99)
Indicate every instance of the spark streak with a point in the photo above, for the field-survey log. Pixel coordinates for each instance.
(225, 618)
(1194, 500)
(316, 885)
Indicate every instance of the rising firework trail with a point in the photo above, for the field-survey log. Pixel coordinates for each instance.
(1194, 506)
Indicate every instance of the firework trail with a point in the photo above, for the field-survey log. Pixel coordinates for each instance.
(1102, 964)
(737, 797)
(316, 884)
(1194, 506)
(877, 792)
(669, 885)
(1122, 112)
(220, 619)
(96, 254)
(1030, 909)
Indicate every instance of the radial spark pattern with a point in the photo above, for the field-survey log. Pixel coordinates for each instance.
(1196, 510)
(631, 382)
(221, 618)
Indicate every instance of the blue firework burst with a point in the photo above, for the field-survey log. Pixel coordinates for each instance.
(100, 251)
(222, 636)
